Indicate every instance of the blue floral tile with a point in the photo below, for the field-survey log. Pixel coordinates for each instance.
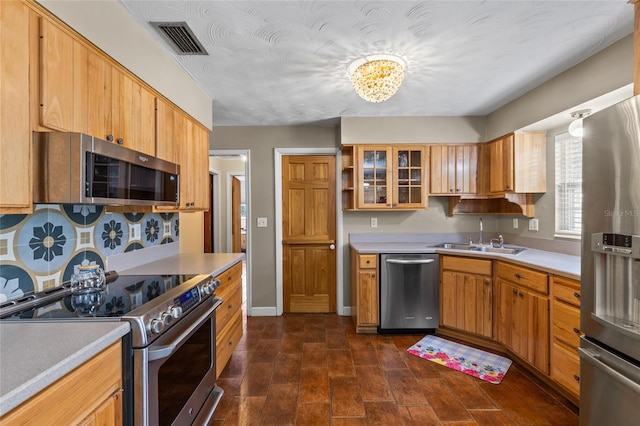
(166, 240)
(15, 282)
(151, 230)
(111, 234)
(134, 217)
(83, 214)
(45, 241)
(167, 216)
(133, 246)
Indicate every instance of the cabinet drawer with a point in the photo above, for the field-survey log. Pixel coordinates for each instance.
(569, 292)
(523, 276)
(466, 264)
(368, 261)
(566, 324)
(230, 305)
(565, 368)
(227, 341)
(232, 274)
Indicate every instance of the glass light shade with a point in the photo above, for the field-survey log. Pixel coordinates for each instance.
(377, 80)
(575, 128)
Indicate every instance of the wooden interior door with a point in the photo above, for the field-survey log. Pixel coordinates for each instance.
(309, 233)
(236, 188)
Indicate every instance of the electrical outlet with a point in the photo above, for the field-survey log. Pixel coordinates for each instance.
(262, 222)
(533, 224)
(515, 223)
(374, 222)
(135, 232)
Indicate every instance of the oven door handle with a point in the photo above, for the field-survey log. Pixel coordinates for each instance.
(165, 351)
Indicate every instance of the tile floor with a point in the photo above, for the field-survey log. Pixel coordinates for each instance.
(313, 369)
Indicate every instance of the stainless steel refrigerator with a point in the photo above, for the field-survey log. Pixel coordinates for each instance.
(610, 274)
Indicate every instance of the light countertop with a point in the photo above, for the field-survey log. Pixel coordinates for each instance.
(188, 263)
(555, 263)
(34, 354)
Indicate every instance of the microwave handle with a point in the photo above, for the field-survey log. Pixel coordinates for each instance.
(165, 351)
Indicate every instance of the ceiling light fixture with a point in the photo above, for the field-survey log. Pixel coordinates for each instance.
(376, 78)
(575, 127)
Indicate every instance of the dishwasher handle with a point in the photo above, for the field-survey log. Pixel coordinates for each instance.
(410, 261)
(610, 367)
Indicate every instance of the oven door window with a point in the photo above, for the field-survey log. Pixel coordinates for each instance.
(182, 372)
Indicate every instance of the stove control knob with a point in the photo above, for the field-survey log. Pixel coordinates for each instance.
(176, 311)
(166, 318)
(155, 326)
(215, 283)
(210, 286)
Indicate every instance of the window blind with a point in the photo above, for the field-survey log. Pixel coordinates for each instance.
(568, 194)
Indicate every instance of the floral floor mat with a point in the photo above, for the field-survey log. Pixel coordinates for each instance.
(471, 361)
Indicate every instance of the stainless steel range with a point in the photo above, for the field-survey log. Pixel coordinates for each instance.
(169, 357)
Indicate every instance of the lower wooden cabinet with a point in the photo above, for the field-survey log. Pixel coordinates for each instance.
(89, 395)
(364, 292)
(229, 317)
(466, 293)
(565, 333)
(523, 313)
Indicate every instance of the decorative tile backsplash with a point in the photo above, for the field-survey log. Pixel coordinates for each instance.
(42, 250)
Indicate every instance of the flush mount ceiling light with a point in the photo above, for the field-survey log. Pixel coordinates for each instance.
(376, 78)
(575, 128)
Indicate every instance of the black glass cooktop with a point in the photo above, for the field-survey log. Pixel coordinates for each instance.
(120, 296)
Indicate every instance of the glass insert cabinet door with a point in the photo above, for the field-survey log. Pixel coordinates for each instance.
(410, 185)
(375, 175)
(391, 177)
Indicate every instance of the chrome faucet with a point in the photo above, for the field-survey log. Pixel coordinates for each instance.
(481, 240)
(499, 240)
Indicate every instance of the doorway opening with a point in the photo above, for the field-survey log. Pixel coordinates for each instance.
(231, 214)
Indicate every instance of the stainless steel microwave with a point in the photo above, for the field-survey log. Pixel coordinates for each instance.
(78, 168)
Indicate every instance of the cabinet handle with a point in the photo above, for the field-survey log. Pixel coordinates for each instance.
(508, 187)
(120, 141)
(576, 377)
(230, 342)
(517, 276)
(457, 189)
(450, 189)
(110, 138)
(515, 292)
(521, 295)
(368, 262)
(486, 282)
(575, 330)
(576, 295)
(230, 306)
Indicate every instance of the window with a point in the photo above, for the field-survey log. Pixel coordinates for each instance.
(568, 186)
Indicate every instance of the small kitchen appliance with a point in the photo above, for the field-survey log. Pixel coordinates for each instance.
(610, 274)
(169, 358)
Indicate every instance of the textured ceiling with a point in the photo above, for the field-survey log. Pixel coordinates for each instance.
(285, 62)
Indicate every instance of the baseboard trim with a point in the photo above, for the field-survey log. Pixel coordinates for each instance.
(272, 312)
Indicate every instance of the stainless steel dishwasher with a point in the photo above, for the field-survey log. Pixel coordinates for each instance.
(409, 292)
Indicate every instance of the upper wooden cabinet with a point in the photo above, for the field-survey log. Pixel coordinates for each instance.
(182, 141)
(80, 91)
(385, 177)
(17, 65)
(517, 163)
(454, 169)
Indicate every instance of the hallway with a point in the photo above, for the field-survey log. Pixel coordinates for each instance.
(312, 369)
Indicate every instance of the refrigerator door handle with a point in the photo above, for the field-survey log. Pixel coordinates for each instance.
(611, 370)
(410, 262)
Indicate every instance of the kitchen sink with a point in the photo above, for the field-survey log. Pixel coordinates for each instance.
(502, 250)
(486, 249)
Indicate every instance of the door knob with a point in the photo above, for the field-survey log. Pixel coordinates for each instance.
(332, 246)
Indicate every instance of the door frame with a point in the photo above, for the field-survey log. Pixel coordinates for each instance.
(278, 154)
(247, 190)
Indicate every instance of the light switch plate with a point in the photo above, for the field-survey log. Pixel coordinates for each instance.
(533, 224)
(374, 222)
(262, 222)
(515, 223)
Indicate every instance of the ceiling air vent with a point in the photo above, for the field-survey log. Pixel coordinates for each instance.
(181, 38)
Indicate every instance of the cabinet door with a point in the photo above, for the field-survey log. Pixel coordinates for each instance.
(367, 298)
(533, 324)
(15, 132)
(56, 77)
(467, 302)
(165, 143)
(466, 169)
(408, 178)
(374, 177)
(96, 81)
(507, 296)
(200, 164)
(441, 165)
